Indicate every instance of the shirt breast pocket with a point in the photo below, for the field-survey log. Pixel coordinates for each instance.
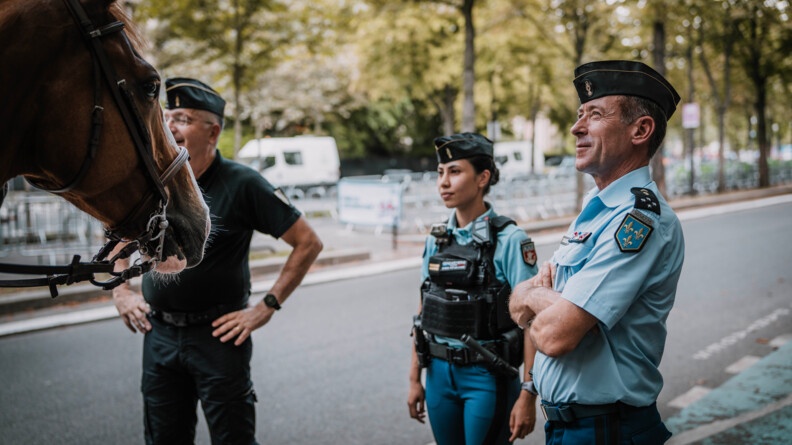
(572, 257)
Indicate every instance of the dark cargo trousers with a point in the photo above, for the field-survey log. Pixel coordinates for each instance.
(182, 365)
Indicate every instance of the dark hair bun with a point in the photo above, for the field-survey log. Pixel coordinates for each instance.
(495, 177)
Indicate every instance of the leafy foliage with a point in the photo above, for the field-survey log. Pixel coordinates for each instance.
(386, 77)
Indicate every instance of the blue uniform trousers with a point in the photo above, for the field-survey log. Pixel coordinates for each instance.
(628, 426)
(182, 365)
(463, 403)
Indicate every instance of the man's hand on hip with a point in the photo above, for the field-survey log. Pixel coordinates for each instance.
(240, 324)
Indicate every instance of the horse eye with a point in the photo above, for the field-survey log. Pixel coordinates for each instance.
(151, 89)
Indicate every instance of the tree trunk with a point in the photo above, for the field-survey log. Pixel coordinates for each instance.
(581, 31)
(658, 56)
(535, 101)
(468, 72)
(690, 132)
(759, 80)
(761, 133)
(723, 104)
(447, 109)
(237, 80)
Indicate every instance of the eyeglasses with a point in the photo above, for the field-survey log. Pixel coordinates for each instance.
(182, 120)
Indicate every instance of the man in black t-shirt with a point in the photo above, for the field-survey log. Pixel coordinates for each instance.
(197, 326)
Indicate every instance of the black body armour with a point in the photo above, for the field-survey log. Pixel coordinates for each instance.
(462, 294)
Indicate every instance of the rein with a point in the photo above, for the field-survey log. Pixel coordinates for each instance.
(157, 225)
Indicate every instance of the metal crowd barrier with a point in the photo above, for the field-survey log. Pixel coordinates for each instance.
(45, 229)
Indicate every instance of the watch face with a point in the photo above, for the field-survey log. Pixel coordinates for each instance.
(271, 301)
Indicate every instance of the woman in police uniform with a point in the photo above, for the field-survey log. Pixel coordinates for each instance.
(469, 267)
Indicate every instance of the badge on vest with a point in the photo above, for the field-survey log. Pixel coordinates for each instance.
(633, 232)
(528, 252)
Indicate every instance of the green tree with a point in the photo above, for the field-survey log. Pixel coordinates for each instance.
(223, 41)
(717, 37)
(764, 54)
(580, 29)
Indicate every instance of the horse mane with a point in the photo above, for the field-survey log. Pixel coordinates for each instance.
(132, 31)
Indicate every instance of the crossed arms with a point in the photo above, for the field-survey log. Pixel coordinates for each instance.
(555, 325)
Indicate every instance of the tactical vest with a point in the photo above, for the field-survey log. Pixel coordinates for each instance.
(462, 294)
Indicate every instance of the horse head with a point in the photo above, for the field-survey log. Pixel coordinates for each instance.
(95, 134)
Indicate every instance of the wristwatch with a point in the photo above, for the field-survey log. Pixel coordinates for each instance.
(529, 386)
(272, 302)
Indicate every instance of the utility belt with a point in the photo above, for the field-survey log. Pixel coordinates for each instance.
(184, 319)
(457, 356)
(508, 348)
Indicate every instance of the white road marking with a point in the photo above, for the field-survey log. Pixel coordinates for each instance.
(734, 337)
(742, 364)
(781, 340)
(694, 394)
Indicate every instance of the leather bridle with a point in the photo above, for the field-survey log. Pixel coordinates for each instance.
(151, 241)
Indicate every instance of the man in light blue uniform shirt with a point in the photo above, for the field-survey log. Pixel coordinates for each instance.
(597, 311)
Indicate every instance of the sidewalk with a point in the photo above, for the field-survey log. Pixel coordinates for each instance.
(753, 407)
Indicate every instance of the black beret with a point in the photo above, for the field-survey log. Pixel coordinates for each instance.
(462, 145)
(625, 78)
(190, 93)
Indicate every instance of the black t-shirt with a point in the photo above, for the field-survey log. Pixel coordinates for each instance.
(240, 201)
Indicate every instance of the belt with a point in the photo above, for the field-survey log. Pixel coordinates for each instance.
(184, 319)
(571, 412)
(457, 356)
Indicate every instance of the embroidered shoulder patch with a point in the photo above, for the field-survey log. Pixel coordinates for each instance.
(528, 252)
(645, 199)
(633, 232)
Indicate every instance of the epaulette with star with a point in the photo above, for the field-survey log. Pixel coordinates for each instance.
(636, 227)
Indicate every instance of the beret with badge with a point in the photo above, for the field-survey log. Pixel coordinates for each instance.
(183, 92)
(461, 145)
(625, 78)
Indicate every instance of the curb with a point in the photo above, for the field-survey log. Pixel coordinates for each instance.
(108, 310)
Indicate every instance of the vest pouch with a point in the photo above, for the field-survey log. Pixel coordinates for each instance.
(448, 317)
(451, 271)
(501, 319)
(510, 347)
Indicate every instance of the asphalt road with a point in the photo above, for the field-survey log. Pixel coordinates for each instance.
(331, 368)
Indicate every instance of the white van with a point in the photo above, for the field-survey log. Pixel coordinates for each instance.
(514, 159)
(300, 161)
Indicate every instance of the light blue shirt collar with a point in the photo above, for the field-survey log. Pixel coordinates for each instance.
(452, 222)
(614, 194)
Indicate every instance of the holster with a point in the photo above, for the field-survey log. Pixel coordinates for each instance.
(421, 343)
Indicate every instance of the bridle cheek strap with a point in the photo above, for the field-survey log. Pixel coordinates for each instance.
(157, 224)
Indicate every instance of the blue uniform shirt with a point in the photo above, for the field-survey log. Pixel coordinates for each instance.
(509, 264)
(629, 292)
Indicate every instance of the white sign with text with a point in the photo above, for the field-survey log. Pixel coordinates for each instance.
(369, 202)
